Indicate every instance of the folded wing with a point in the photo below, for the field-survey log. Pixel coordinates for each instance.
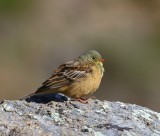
(65, 75)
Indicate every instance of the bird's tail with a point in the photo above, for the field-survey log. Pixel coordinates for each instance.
(28, 96)
(39, 91)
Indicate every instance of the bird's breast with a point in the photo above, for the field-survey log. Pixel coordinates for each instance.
(86, 85)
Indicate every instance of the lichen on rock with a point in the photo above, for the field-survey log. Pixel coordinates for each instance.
(97, 118)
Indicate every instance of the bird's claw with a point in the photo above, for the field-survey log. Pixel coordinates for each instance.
(81, 100)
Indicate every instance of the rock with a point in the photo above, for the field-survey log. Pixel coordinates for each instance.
(70, 118)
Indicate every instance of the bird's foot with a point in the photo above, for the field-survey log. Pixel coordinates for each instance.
(82, 100)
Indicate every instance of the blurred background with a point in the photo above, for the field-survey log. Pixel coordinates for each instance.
(37, 36)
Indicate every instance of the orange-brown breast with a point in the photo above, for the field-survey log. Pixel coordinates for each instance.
(85, 86)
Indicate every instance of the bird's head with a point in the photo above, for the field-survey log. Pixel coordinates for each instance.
(92, 56)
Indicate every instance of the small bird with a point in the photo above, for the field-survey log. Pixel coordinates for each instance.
(77, 78)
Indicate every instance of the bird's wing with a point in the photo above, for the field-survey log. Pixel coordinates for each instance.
(65, 75)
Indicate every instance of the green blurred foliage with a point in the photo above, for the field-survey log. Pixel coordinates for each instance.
(13, 6)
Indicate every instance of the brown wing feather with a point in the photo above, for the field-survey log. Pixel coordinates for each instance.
(65, 75)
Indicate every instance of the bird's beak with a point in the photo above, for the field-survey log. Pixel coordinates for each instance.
(102, 60)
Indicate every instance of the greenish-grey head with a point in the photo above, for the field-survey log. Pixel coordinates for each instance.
(92, 56)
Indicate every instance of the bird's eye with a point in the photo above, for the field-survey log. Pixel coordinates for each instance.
(93, 58)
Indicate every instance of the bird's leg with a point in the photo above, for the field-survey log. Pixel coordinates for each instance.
(82, 100)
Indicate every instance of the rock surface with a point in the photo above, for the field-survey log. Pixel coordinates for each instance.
(70, 118)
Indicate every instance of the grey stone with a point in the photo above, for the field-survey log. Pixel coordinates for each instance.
(70, 118)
